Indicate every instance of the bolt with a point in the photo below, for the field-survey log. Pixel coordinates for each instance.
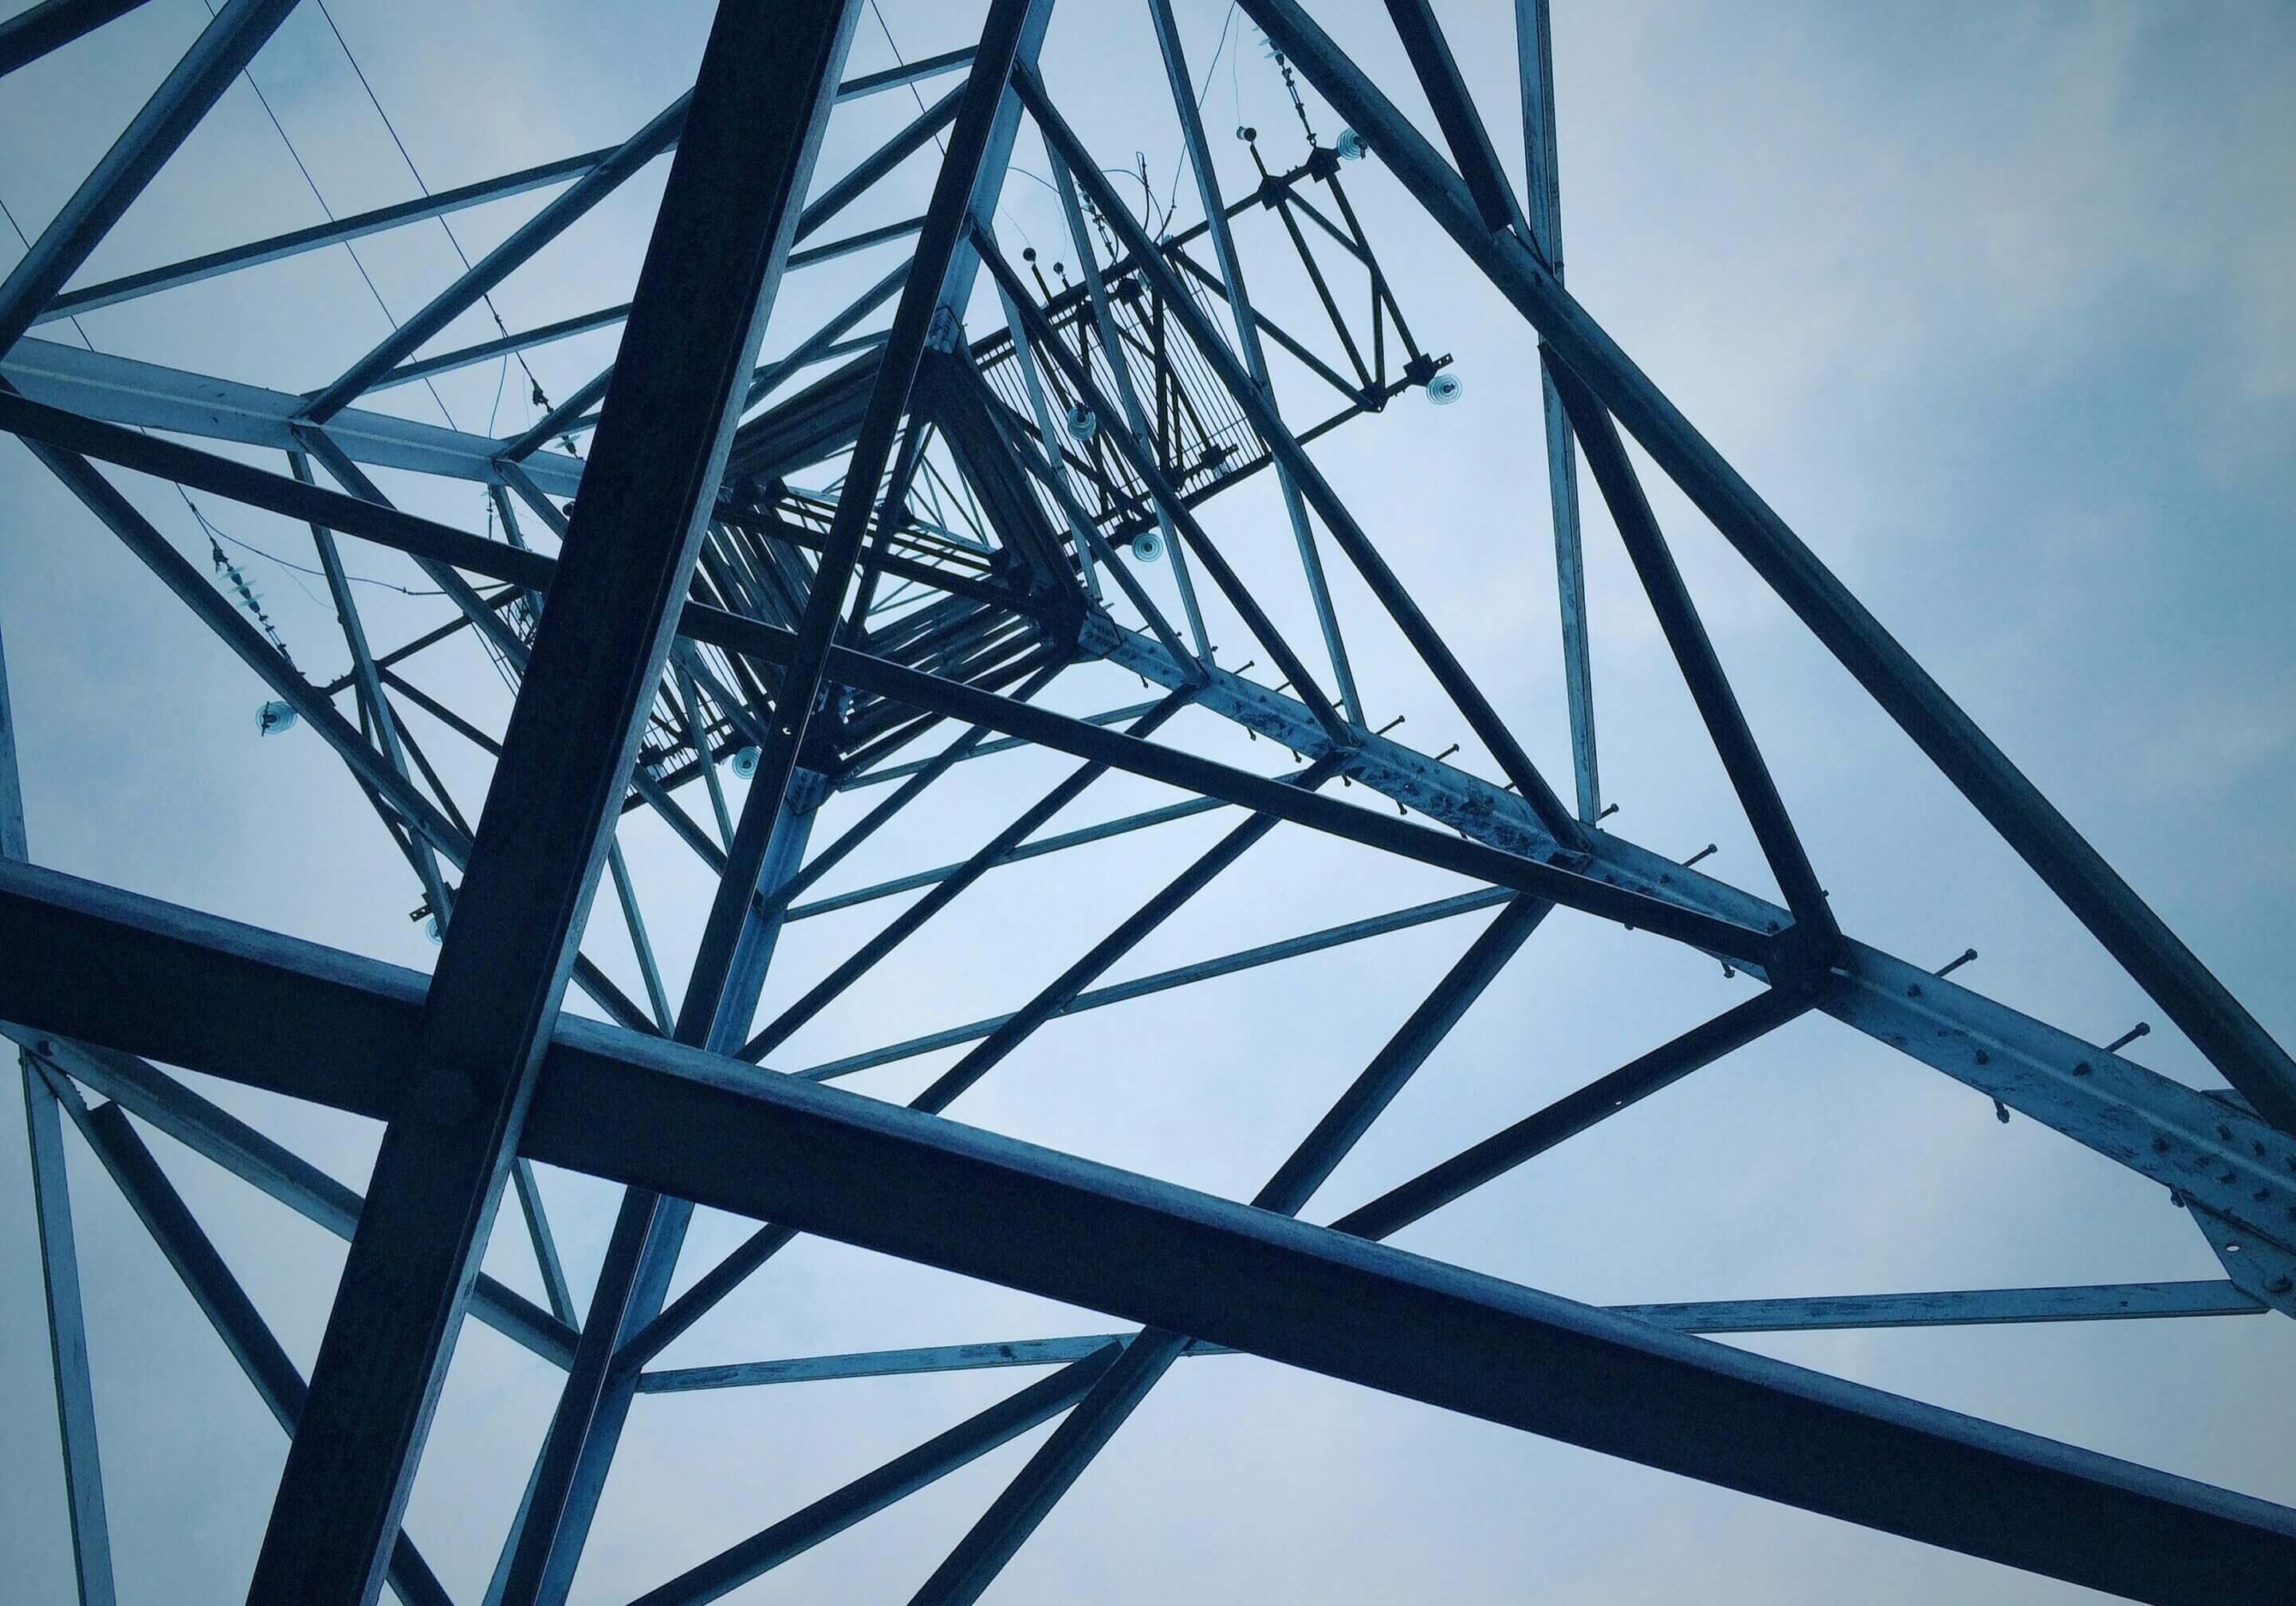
(2280, 1285)
(2081, 1067)
(1983, 1057)
(2159, 1145)
(1914, 991)
(2224, 1132)
(1951, 965)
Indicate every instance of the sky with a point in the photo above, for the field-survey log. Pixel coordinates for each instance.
(1989, 301)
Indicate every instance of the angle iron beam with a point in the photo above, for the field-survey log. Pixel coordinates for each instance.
(1024, 1503)
(895, 370)
(737, 943)
(1534, 51)
(1988, 1046)
(226, 43)
(702, 299)
(596, 183)
(215, 1133)
(912, 1469)
(1957, 1307)
(1471, 150)
(1247, 331)
(1382, 581)
(2201, 1006)
(67, 1324)
(316, 1022)
(225, 1304)
(1695, 656)
(52, 24)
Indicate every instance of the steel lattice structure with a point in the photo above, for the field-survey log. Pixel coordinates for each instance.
(859, 563)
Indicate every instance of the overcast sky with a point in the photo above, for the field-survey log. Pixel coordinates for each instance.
(1990, 301)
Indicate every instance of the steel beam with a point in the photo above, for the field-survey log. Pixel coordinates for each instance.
(75, 1388)
(226, 44)
(1471, 150)
(596, 183)
(997, 1537)
(737, 946)
(1574, 1114)
(224, 1303)
(873, 1491)
(276, 248)
(316, 1022)
(2008, 1055)
(804, 674)
(1159, 981)
(1535, 48)
(83, 1465)
(1430, 647)
(1957, 1307)
(208, 1130)
(1247, 332)
(437, 204)
(52, 24)
(720, 1280)
(1701, 666)
(703, 298)
(2201, 1006)
(147, 396)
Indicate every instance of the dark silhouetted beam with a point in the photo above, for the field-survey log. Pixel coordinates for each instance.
(227, 999)
(730, 208)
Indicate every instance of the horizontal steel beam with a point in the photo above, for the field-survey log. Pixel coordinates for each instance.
(2133, 1115)
(1959, 1307)
(146, 396)
(316, 1023)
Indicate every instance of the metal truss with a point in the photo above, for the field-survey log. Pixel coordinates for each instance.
(853, 567)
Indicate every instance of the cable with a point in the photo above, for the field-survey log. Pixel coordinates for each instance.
(1210, 67)
(297, 156)
(542, 398)
(208, 527)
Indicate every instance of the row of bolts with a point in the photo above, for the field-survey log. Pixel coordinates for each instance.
(2000, 1110)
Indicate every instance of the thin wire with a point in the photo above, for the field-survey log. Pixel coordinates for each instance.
(1210, 67)
(300, 569)
(404, 155)
(205, 524)
(899, 61)
(297, 157)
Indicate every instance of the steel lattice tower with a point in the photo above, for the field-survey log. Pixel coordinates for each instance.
(767, 609)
